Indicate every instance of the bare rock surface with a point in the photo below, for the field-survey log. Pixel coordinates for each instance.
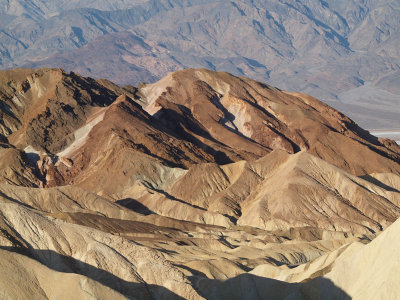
(200, 186)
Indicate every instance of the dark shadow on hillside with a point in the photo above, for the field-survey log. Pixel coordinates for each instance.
(184, 126)
(244, 286)
(249, 286)
(323, 289)
(379, 183)
(4, 196)
(135, 205)
(67, 264)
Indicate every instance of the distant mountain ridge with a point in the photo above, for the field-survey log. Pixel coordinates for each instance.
(343, 52)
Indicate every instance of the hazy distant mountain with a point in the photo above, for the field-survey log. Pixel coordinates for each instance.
(344, 52)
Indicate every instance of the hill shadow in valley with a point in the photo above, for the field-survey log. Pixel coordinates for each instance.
(249, 286)
(67, 264)
(244, 286)
(135, 205)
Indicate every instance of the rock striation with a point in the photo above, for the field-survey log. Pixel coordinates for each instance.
(202, 185)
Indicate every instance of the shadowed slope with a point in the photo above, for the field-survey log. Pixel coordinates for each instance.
(65, 123)
(371, 272)
(251, 118)
(189, 188)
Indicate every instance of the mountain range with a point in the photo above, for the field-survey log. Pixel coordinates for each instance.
(202, 185)
(345, 53)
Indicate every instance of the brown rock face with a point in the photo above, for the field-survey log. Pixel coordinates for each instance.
(42, 107)
(246, 119)
(199, 186)
(188, 117)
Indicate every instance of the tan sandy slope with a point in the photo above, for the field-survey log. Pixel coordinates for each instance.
(202, 185)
